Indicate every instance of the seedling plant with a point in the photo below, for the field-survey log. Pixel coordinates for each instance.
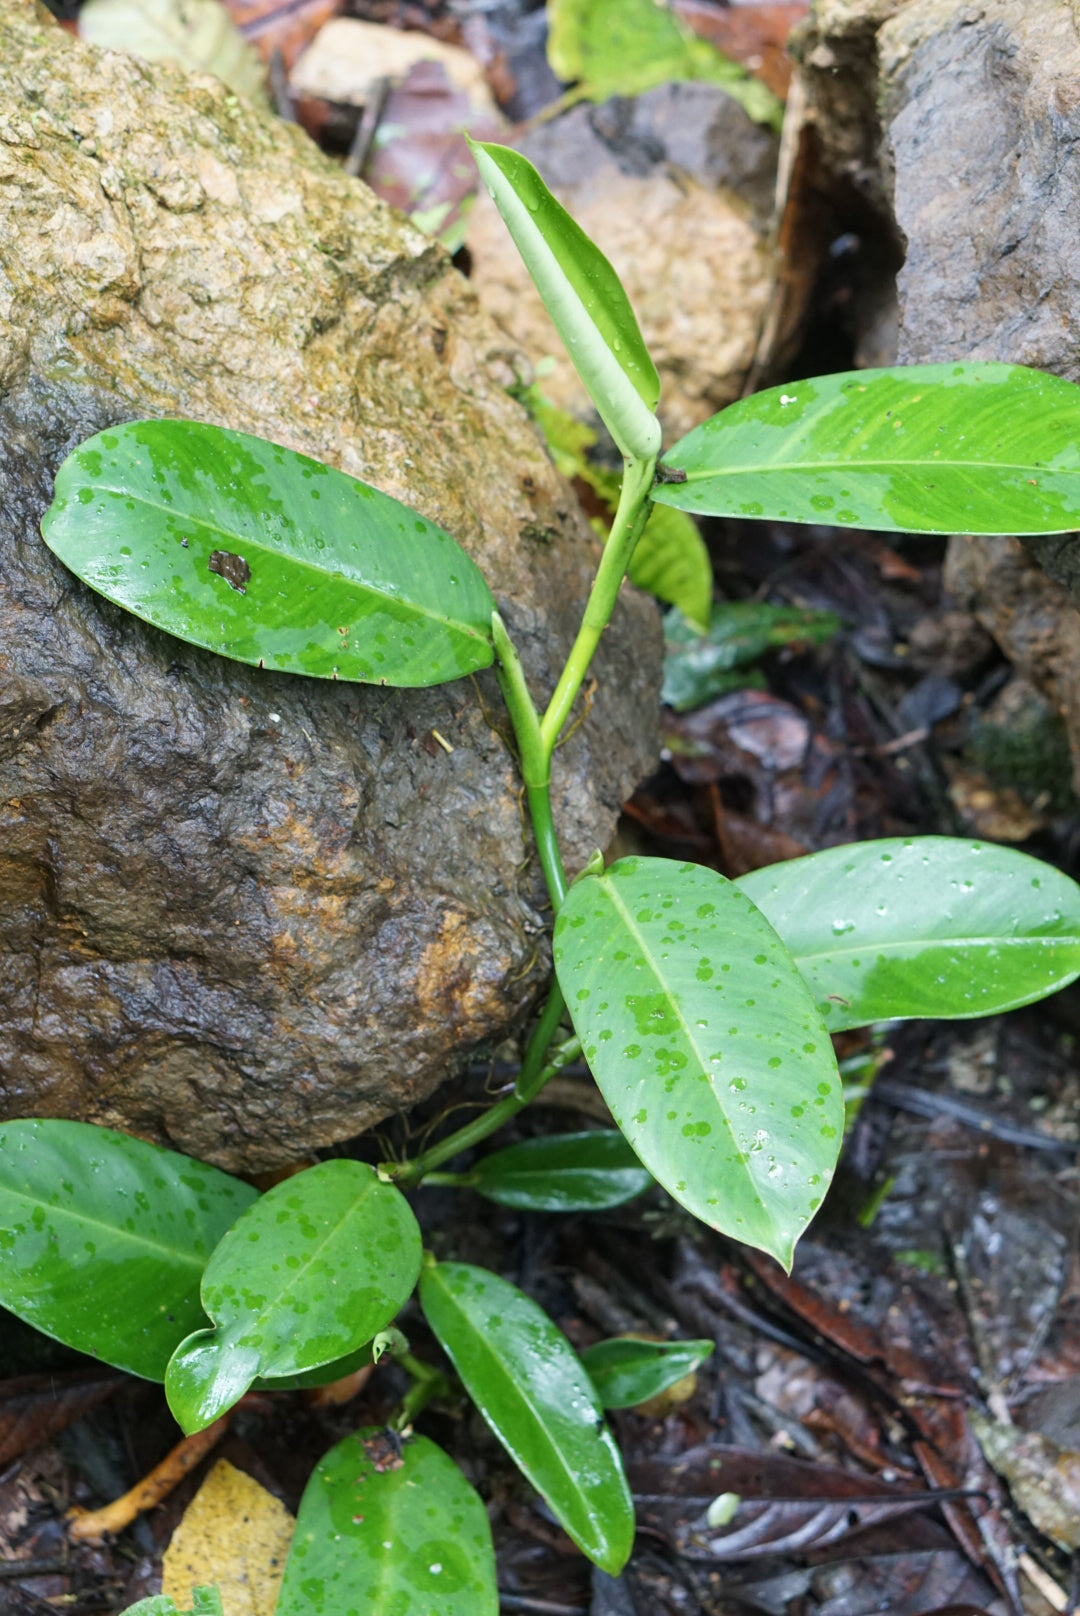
(704, 1007)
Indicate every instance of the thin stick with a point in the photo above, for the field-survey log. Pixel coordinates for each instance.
(93, 1525)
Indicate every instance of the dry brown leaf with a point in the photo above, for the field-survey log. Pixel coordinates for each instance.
(235, 1534)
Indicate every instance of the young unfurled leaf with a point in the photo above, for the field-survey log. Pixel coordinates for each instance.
(563, 1172)
(268, 557)
(530, 1386)
(584, 297)
(390, 1535)
(926, 926)
(317, 1266)
(103, 1239)
(923, 449)
(699, 666)
(705, 1043)
(626, 1370)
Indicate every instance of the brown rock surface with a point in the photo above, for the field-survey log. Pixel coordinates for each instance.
(238, 912)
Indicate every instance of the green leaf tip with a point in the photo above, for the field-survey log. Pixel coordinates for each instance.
(584, 296)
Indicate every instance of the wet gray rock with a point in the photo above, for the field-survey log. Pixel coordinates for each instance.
(963, 117)
(242, 913)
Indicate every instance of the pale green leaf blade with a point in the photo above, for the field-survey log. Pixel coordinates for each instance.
(624, 47)
(103, 1238)
(974, 448)
(309, 1275)
(706, 1045)
(266, 556)
(529, 1384)
(389, 1538)
(671, 562)
(563, 1172)
(584, 297)
(926, 926)
(626, 1370)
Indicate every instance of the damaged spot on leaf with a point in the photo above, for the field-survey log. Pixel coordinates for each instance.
(233, 568)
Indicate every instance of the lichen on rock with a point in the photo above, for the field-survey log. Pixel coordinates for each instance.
(242, 913)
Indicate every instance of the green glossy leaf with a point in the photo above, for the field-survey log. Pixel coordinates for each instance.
(265, 556)
(103, 1239)
(623, 47)
(705, 1043)
(205, 1601)
(925, 926)
(584, 297)
(699, 666)
(308, 1275)
(923, 449)
(564, 1172)
(671, 562)
(409, 1540)
(528, 1383)
(626, 1370)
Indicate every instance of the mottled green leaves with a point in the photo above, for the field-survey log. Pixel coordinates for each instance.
(584, 297)
(699, 666)
(705, 1043)
(923, 449)
(265, 556)
(103, 1239)
(563, 1172)
(389, 1536)
(622, 47)
(529, 1384)
(316, 1267)
(626, 1370)
(931, 926)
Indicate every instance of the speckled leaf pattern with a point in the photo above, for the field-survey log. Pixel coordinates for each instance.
(103, 1239)
(316, 1267)
(563, 1172)
(530, 1386)
(927, 926)
(268, 557)
(626, 1371)
(705, 1043)
(920, 449)
(583, 295)
(389, 1536)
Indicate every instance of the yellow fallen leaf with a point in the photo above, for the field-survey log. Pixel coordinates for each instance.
(235, 1534)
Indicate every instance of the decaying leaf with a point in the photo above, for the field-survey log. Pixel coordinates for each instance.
(234, 1534)
(198, 35)
(1043, 1478)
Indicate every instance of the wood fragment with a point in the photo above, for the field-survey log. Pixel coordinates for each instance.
(93, 1525)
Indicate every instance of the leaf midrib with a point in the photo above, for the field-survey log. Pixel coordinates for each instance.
(857, 467)
(516, 1385)
(190, 1259)
(256, 546)
(632, 927)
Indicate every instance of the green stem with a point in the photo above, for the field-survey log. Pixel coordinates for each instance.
(630, 519)
(427, 1384)
(408, 1174)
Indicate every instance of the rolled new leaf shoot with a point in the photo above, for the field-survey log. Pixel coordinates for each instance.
(317, 1267)
(104, 1239)
(932, 926)
(584, 297)
(266, 556)
(967, 448)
